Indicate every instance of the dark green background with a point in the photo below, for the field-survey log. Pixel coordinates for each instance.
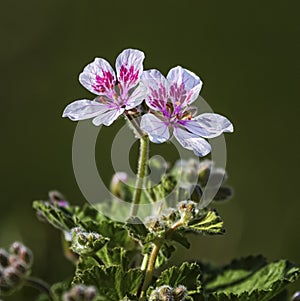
(246, 52)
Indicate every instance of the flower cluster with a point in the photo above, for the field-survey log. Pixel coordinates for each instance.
(167, 101)
(166, 292)
(15, 265)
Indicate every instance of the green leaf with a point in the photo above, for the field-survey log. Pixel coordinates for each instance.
(208, 222)
(111, 282)
(59, 217)
(137, 229)
(114, 256)
(180, 237)
(187, 274)
(251, 279)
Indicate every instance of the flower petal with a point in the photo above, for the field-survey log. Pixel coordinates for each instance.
(83, 109)
(190, 141)
(129, 66)
(108, 117)
(99, 77)
(209, 125)
(137, 97)
(156, 128)
(185, 86)
(157, 89)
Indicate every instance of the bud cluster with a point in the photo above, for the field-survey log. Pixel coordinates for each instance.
(188, 210)
(80, 293)
(167, 293)
(14, 267)
(84, 242)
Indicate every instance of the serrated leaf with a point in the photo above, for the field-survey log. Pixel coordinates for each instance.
(187, 274)
(137, 229)
(111, 282)
(250, 279)
(114, 256)
(60, 217)
(209, 222)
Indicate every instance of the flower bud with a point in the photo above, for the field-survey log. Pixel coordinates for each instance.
(90, 293)
(4, 258)
(20, 267)
(187, 210)
(180, 293)
(153, 223)
(11, 276)
(196, 194)
(80, 293)
(22, 252)
(163, 293)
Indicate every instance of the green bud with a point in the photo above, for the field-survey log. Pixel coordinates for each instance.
(187, 210)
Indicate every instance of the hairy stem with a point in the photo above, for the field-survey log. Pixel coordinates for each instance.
(142, 167)
(41, 286)
(152, 259)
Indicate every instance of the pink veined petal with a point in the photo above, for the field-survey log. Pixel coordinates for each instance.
(190, 141)
(99, 78)
(129, 66)
(157, 85)
(209, 125)
(108, 117)
(83, 109)
(156, 128)
(137, 97)
(185, 86)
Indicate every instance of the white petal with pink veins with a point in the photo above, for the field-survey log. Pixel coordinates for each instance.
(137, 97)
(209, 125)
(190, 141)
(156, 128)
(185, 86)
(129, 66)
(83, 109)
(157, 89)
(98, 77)
(108, 117)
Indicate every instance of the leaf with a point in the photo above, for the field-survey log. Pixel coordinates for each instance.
(209, 222)
(187, 274)
(111, 282)
(60, 217)
(181, 238)
(137, 229)
(251, 279)
(115, 256)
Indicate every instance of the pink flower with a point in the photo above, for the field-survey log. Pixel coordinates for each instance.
(169, 100)
(116, 94)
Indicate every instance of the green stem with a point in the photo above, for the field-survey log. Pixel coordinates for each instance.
(152, 259)
(41, 286)
(142, 167)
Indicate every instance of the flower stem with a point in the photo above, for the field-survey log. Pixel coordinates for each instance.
(151, 263)
(41, 286)
(142, 167)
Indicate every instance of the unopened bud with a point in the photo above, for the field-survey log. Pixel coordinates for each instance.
(165, 293)
(20, 267)
(180, 293)
(90, 293)
(22, 252)
(11, 276)
(153, 223)
(4, 258)
(187, 210)
(196, 194)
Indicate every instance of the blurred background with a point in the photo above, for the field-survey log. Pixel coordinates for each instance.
(247, 54)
